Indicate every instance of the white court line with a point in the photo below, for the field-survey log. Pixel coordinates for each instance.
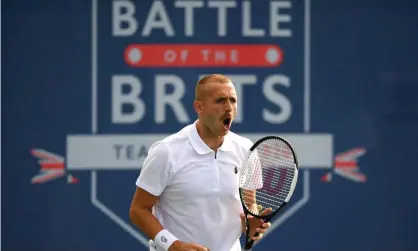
(307, 69)
(0, 144)
(94, 56)
(109, 213)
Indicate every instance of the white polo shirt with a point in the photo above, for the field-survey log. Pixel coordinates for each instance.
(198, 188)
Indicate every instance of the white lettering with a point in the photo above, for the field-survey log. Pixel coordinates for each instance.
(125, 22)
(119, 99)
(119, 18)
(246, 22)
(222, 7)
(205, 54)
(173, 100)
(234, 56)
(276, 98)
(152, 22)
(220, 56)
(189, 7)
(184, 55)
(170, 56)
(128, 107)
(276, 18)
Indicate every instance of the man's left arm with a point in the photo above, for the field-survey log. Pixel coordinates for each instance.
(256, 225)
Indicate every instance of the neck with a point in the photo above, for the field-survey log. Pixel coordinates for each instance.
(210, 139)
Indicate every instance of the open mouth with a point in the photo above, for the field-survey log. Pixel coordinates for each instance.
(227, 123)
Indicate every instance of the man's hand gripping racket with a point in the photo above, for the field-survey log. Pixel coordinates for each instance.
(267, 180)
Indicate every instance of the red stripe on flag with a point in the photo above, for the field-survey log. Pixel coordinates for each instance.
(203, 55)
(52, 165)
(352, 164)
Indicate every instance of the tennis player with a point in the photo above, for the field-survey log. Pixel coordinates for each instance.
(187, 192)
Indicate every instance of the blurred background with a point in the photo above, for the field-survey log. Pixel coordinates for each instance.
(88, 85)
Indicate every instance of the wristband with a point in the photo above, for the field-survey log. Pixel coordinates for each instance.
(164, 239)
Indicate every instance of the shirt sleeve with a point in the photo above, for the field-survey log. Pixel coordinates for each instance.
(155, 170)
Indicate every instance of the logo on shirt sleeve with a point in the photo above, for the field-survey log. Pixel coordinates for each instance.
(235, 170)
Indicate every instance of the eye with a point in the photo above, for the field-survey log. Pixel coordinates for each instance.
(220, 100)
(233, 100)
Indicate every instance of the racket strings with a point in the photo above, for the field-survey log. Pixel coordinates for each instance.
(272, 197)
(281, 161)
(266, 153)
(268, 172)
(282, 148)
(267, 201)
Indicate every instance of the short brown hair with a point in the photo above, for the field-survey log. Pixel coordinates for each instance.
(210, 78)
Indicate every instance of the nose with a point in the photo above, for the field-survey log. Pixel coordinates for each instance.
(228, 106)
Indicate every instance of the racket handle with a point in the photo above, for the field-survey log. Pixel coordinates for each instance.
(249, 243)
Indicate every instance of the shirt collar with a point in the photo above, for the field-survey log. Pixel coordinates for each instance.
(200, 146)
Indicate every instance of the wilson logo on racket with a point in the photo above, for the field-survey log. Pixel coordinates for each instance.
(275, 181)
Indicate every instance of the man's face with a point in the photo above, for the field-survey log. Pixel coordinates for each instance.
(218, 106)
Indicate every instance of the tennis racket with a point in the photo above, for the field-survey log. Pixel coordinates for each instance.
(267, 180)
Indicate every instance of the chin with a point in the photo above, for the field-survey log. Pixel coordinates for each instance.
(223, 132)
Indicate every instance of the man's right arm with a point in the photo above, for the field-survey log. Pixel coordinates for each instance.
(141, 215)
(150, 184)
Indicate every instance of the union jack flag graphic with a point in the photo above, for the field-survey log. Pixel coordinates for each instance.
(345, 165)
(52, 167)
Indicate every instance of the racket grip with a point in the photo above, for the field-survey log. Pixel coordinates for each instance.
(249, 243)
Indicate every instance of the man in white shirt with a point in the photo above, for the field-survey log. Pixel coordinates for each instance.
(187, 192)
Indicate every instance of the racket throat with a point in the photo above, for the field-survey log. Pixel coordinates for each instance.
(249, 242)
(247, 230)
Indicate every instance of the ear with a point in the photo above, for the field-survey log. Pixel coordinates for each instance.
(197, 106)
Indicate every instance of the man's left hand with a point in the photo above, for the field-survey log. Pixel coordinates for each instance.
(256, 225)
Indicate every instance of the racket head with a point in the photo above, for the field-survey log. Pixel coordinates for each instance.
(268, 177)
